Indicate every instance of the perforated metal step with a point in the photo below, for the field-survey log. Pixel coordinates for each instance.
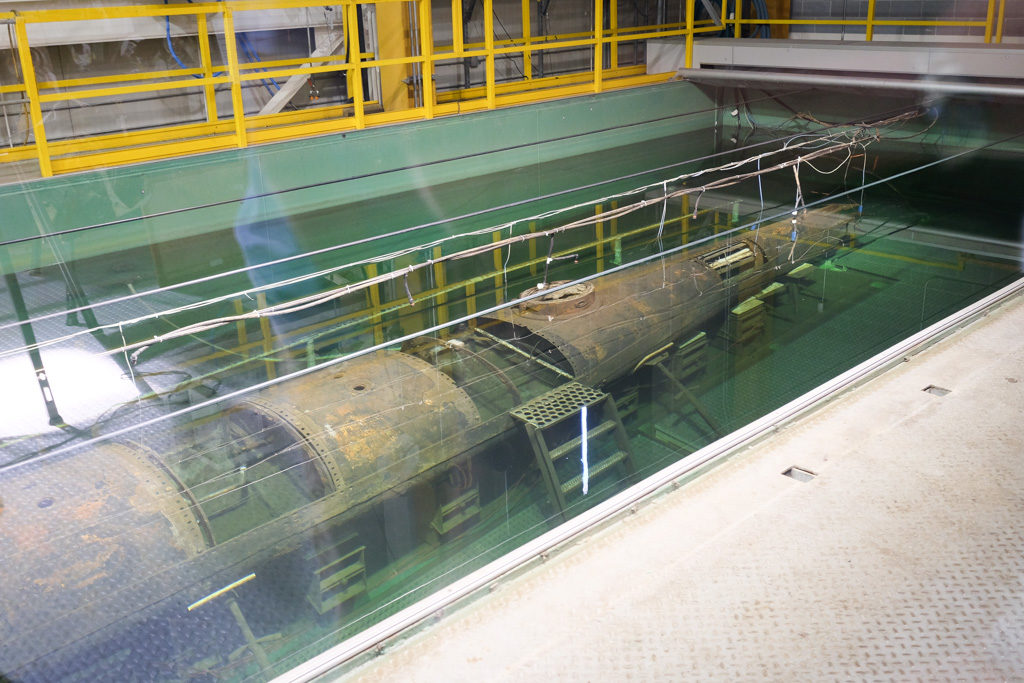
(573, 445)
(596, 471)
(558, 404)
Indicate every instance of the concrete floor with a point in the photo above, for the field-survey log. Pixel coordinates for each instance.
(902, 559)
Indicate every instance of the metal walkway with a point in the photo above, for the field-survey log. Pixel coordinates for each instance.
(900, 557)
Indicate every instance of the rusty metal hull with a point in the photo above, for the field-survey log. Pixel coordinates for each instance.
(630, 313)
(375, 423)
(123, 531)
(75, 533)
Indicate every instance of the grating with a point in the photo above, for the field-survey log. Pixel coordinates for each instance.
(558, 404)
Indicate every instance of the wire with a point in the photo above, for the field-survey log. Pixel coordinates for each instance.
(213, 402)
(307, 302)
(242, 40)
(839, 139)
(508, 56)
(409, 167)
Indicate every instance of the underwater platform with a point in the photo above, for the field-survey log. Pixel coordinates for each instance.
(877, 537)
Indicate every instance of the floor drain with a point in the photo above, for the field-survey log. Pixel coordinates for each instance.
(938, 391)
(799, 474)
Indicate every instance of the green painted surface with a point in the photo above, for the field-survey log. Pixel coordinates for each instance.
(898, 276)
(180, 198)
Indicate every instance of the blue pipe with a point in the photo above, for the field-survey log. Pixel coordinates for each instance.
(243, 41)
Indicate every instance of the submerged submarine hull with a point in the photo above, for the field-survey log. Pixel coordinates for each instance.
(98, 540)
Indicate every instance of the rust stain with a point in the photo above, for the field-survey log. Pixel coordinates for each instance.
(85, 572)
(28, 537)
(89, 509)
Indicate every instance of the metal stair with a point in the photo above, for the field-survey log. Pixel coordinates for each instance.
(340, 574)
(549, 419)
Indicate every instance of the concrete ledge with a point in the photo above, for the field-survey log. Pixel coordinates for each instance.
(900, 557)
(919, 59)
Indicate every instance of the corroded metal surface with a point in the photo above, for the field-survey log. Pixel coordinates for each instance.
(114, 535)
(633, 311)
(74, 533)
(376, 422)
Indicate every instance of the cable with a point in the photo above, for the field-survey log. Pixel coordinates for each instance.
(144, 424)
(237, 271)
(409, 167)
(406, 230)
(242, 40)
(304, 303)
(508, 56)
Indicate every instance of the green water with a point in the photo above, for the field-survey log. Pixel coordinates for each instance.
(917, 253)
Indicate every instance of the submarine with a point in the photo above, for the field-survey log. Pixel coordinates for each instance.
(100, 545)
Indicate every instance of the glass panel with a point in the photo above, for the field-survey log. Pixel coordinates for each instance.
(237, 434)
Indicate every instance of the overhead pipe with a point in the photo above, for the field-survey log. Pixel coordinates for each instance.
(734, 77)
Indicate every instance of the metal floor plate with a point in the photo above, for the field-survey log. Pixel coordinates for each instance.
(901, 559)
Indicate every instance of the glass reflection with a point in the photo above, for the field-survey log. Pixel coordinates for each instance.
(265, 493)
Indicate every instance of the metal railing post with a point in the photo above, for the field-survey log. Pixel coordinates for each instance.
(28, 72)
(457, 39)
(427, 52)
(869, 24)
(354, 74)
(689, 31)
(207, 64)
(489, 47)
(527, 57)
(1000, 20)
(237, 107)
(598, 45)
(613, 27)
(990, 15)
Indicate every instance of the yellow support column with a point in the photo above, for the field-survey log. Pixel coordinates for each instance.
(498, 267)
(527, 57)
(375, 316)
(598, 45)
(533, 249)
(440, 282)
(737, 27)
(1000, 20)
(869, 29)
(28, 72)
(489, 46)
(471, 302)
(354, 75)
(392, 43)
(268, 338)
(207, 64)
(990, 16)
(243, 336)
(237, 108)
(617, 243)
(613, 26)
(427, 52)
(458, 44)
(689, 31)
(599, 235)
(686, 219)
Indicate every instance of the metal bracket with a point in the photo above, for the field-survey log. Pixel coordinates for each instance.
(714, 11)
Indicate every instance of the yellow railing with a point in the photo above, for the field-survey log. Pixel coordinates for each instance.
(448, 299)
(235, 128)
(993, 22)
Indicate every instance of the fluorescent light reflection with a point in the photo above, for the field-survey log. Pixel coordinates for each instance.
(84, 386)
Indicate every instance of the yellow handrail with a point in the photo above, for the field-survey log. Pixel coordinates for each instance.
(421, 60)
